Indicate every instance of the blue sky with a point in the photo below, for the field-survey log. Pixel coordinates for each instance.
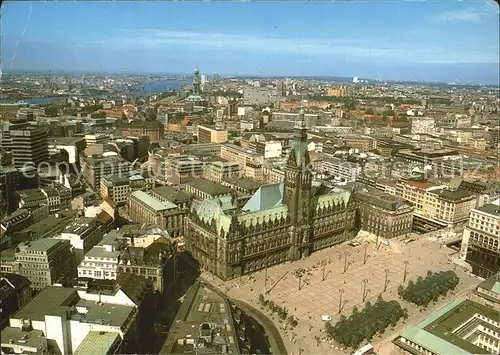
(447, 41)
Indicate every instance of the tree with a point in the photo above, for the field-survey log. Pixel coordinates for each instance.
(369, 111)
(261, 298)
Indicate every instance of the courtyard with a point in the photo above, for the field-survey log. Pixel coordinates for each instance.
(339, 278)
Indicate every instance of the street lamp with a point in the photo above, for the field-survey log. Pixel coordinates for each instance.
(323, 263)
(365, 282)
(365, 256)
(345, 261)
(298, 274)
(404, 275)
(386, 281)
(341, 291)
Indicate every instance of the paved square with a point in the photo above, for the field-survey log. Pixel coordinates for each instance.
(339, 289)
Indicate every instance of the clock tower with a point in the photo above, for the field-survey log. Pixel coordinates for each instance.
(297, 191)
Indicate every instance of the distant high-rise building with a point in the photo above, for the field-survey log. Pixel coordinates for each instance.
(29, 146)
(355, 80)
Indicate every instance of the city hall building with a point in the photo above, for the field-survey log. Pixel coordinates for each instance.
(280, 222)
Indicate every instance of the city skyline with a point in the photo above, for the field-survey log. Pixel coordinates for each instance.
(406, 41)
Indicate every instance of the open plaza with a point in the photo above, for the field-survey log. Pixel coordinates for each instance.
(337, 279)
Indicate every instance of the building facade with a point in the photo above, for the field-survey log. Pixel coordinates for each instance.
(481, 238)
(218, 171)
(344, 169)
(45, 261)
(382, 214)
(144, 208)
(211, 135)
(280, 222)
(29, 146)
(241, 156)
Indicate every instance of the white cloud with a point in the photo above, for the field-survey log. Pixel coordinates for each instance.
(406, 52)
(460, 16)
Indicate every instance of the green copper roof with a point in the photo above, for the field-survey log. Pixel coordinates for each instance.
(265, 197)
(152, 202)
(435, 333)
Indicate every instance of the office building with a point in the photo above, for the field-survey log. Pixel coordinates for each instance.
(146, 209)
(220, 170)
(437, 203)
(116, 188)
(45, 261)
(211, 135)
(361, 143)
(83, 233)
(153, 129)
(241, 156)
(481, 239)
(95, 167)
(149, 262)
(383, 215)
(204, 189)
(29, 146)
(339, 168)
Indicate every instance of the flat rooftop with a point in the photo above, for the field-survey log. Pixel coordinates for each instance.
(209, 187)
(172, 194)
(97, 343)
(152, 202)
(491, 209)
(47, 224)
(52, 300)
(114, 315)
(244, 183)
(42, 244)
(441, 331)
(12, 337)
(380, 198)
(454, 195)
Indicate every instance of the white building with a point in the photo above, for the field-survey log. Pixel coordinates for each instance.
(101, 262)
(423, 125)
(83, 233)
(344, 169)
(272, 149)
(71, 323)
